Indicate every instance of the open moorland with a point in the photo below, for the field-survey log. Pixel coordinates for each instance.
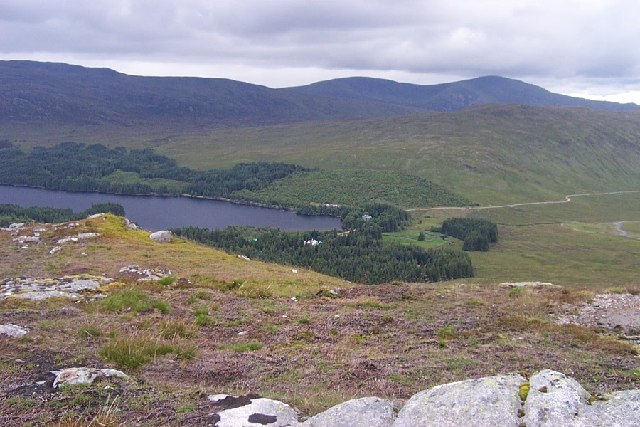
(557, 177)
(207, 323)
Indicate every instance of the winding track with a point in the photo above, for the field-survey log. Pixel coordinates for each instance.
(567, 199)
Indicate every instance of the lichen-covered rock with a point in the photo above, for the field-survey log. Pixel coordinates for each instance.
(13, 331)
(490, 402)
(252, 412)
(40, 289)
(364, 412)
(554, 399)
(619, 409)
(77, 376)
(163, 236)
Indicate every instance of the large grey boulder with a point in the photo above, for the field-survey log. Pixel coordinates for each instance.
(490, 402)
(558, 400)
(365, 412)
(554, 399)
(163, 236)
(253, 412)
(619, 409)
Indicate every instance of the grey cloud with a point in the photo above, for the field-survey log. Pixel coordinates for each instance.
(572, 38)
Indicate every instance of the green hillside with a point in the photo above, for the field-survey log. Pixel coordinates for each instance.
(354, 187)
(488, 154)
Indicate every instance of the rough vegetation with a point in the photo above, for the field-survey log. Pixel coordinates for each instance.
(232, 326)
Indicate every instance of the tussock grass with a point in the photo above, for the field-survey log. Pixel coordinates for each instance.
(133, 300)
(133, 351)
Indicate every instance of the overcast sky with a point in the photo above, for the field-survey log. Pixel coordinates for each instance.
(579, 47)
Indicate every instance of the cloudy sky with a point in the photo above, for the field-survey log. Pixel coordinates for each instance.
(579, 47)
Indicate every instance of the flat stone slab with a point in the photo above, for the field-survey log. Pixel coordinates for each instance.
(82, 375)
(40, 289)
(13, 331)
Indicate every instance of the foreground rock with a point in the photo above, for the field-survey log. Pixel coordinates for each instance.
(491, 401)
(553, 399)
(248, 411)
(13, 331)
(557, 400)
(368, 411)
(621, 409)
(79, 376)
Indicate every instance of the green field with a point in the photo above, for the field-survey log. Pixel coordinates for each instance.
(410, 237)
(633, 228)
(573, 244)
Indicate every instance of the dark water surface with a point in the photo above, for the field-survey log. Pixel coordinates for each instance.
(159, 213)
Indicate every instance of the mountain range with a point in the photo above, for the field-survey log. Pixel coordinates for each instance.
(53, 93)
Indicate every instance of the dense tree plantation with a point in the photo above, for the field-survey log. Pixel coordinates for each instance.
(78, 167)
(14, 213)
(359, 255)
(476, 233)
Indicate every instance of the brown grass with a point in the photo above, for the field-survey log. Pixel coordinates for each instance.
(390, 341)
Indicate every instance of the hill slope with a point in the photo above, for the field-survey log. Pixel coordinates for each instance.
(223, 325)
(488, 154)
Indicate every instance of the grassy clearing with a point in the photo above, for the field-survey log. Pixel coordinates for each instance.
(559, 254)
(119, 246)
(586, 209)
(633, 228)
(411, 237)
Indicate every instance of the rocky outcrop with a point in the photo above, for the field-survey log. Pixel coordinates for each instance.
(142, 274)
(163, 236)
(553, 399)
(620, 409)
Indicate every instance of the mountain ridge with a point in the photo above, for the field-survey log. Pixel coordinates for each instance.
(456, 95)
(36, 92)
